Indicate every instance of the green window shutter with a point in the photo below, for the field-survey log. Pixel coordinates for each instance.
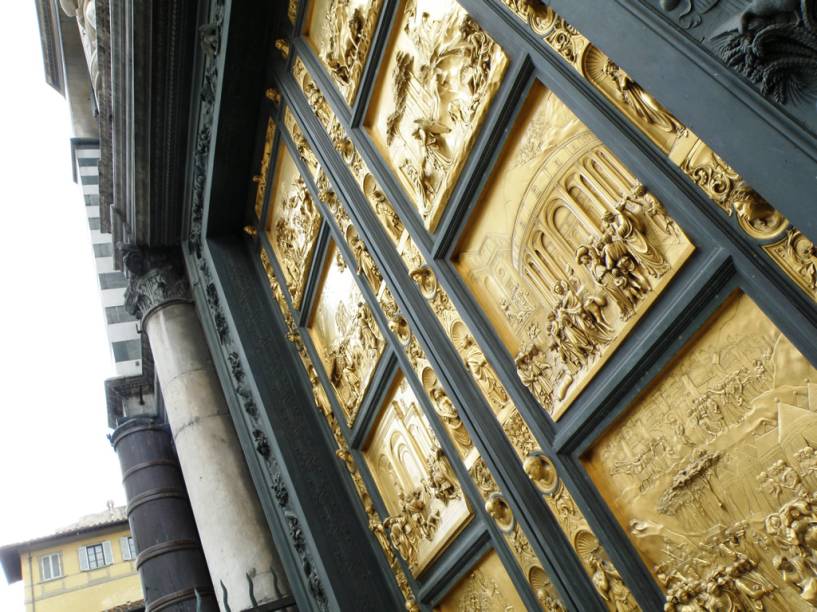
(56, 565)
(83, 559)
(107, 552)
(124, 548)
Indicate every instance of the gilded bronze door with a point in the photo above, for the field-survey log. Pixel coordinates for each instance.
(562, 348)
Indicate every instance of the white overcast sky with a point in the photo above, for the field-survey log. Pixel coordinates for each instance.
(55, 461)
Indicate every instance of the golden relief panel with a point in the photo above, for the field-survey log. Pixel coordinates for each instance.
(346, 149)
(343, 451)
(718, 181)
(293, 223)
(345, 333)
(713, 470)
(260, 179)
(566, 251)
(440, 76)
(495, 504)
(340, 33)
(426, 505)
(486, 588)
(594, 558)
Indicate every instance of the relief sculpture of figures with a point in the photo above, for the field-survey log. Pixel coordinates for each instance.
(566, 251)
(712, 471)
(345, 333)
(421, 493)
(293, 223)
(440, 79)
(342, 33)
(485, 588)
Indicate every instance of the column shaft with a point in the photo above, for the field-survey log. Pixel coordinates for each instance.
(234, 535)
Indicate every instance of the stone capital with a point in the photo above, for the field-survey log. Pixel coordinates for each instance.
(156, 277)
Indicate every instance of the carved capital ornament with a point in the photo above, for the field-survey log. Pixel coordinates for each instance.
(156, 278)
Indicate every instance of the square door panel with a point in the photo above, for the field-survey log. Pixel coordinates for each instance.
(565, 251)
(486, 587)
(440, 73)
(425, 502)
(345, 333)
(293, 224)
(712, 472)
(340, 33)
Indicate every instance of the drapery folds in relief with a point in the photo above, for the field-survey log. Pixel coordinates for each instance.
(343, 452)
(718, 181)
(566, 251)
(340, 32)
(348, 340)
(292, 224)
(713, 470)
(441, 73)
(418, 486)
(572, 522)
(260, 179)
(486, 587)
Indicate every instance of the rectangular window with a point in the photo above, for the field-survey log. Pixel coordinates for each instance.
(95, 556)
(50, 567)
(112, 280)
(103, 249)
(127, 350)
(128, 548)
(117, 314)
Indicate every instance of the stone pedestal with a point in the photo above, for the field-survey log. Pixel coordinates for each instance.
(234, 536)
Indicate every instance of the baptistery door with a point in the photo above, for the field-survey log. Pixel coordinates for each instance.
(563, 349)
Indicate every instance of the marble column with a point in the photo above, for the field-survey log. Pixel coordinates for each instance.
(234, 535)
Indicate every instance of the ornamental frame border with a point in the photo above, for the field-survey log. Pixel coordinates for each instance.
(725, 259)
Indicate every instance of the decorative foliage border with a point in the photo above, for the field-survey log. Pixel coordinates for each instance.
(212, 38)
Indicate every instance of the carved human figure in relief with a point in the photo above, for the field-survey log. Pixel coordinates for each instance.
(643, 104)
(343, 374)
(609, 584)
(479, 367)
(440, 483)
(448, 413)
(532, 369)
(366, 331)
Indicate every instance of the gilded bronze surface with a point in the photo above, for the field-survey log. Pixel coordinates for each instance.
(594, 559)
(340, 33)
(426, 505)
(566, 251)
(797, 256)
(292, 224)
(304, 152)
(713, 470)
(694, 157)
(343, 452)
(441, 73)
(345, 333)
(514, 426)
(292, 11)
(486, 588)
(261, 178)
(346, 149)
(500, 511)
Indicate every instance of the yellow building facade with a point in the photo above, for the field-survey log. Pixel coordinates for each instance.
(87, 567)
